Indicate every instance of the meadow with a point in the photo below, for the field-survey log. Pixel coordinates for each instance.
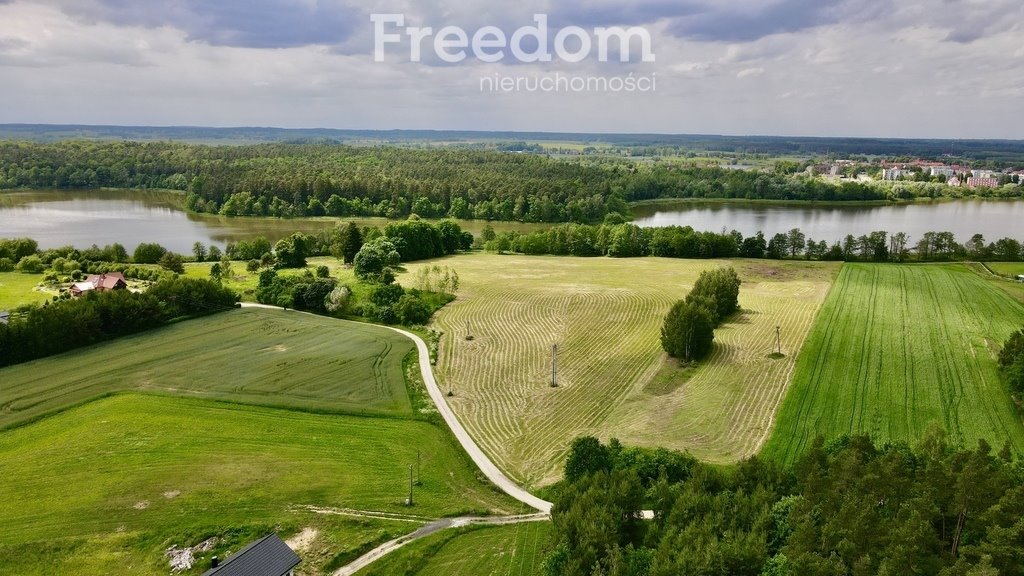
(517, 549)
(1011, 269)
(268, 357)
(106, 487)
(17, 289)
(613, 377)
(897, 350)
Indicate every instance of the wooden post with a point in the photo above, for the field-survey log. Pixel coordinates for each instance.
(554, 365)
(778, 339)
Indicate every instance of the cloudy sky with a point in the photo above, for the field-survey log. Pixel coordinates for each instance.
(889, 68)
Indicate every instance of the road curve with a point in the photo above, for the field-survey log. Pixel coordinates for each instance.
(495, 475)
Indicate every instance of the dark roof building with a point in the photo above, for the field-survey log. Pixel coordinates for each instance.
(100, 283)
(268, 556)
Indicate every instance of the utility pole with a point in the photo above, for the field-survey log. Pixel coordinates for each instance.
(554, 365)
(469, 333)
(778, 339)
(408, 502)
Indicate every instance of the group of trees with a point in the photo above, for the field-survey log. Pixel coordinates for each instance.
(623, 240)
(689, 327)
(847, 507)
(335, 180)
(64, 325)
(1011, 364)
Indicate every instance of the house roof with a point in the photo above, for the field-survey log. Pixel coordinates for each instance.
(268, 556)
(107, 281)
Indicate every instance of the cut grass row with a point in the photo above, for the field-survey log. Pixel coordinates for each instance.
(605, 315)
(267, 357)
(897, 350)
(113, 483)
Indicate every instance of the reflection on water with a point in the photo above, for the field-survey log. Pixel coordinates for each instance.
(83, 218)
(994, 219)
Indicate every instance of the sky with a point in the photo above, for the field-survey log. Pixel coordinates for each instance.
(874, 68)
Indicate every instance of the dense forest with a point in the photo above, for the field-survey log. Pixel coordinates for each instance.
(335, 180)
(847, 508)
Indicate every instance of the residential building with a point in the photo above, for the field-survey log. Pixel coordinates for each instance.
(268, 556)
(946, 171)
(977, 182)
(100, 283)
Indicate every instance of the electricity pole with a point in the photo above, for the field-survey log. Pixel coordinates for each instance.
(409, 501)
(778, 339)
(554, 365)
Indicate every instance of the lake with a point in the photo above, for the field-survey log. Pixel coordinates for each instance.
(57, 218)
(993, 218)
(83, 218)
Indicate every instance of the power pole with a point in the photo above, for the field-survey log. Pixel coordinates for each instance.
(554, 365)
(409, 501)
(778, 339)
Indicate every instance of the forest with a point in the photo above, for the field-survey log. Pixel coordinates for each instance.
(286, 180)
(848, 507)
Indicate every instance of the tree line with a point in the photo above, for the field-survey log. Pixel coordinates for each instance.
(848, 507)
(624, 240)
(284, 180)
(63, 325)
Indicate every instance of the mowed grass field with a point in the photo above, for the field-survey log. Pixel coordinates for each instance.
(17, 289)
(1007, 268)
(614, 380)
(897, 349)
(106, 487)
(517, 550)
(258, 356)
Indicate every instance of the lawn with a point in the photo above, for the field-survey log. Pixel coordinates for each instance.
(614, 380)
(898, 349)
(517, 549)
(244, 282)
(1012, 269)
(106, 487)
(17, 289)
(268, 357)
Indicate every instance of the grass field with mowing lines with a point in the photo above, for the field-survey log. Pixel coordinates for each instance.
(257, 356)
(896, 349)
(125, 477)
(17, 289)
(606, 317)
(517, 550)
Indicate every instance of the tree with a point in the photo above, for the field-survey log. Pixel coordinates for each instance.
(488, 233)
(1011, 362)
(337, 301)
(375, 257)
(348, 243)
(173, 262)
(291, 251)
(688, 331)
(215, 272)
(213, 254)
(586, 456)
(719, 288)
(31, 265)
(796, 241)
(411, 310)
(199, 251)
(226, 270)
(148, 253)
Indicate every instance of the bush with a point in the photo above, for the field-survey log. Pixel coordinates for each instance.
(252, 266)
(386, 294)
(31, 265)
(688, 331)
(323, 272)
(6, 265)
(411, 310)
(173, 262)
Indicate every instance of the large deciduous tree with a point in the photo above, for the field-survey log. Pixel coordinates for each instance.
(688, 331)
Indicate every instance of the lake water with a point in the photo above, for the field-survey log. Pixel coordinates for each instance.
(83, 218)
(994, 219)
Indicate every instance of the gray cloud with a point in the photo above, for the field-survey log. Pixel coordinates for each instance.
(250, 24)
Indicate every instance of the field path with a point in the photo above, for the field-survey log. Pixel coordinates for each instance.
(428, 529)
(496, 476)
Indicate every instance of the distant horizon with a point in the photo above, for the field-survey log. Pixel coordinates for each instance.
(255, 127)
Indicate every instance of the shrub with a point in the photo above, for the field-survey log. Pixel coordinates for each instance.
(31, 265)
(6, 265)
(411, 310)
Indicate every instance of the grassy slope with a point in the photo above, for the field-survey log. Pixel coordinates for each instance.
(125, 477)
(258, 356)
(493, 551)
(606, 314)
(897, 349)
(1007, 268)
(17, 289)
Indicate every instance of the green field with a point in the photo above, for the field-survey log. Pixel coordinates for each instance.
(1012, 269)
(517, 550)
(614, 380)
(17, 289)
(269, 357)
(111, 484)
(897, 349)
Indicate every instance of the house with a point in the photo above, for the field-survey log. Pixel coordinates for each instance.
(1020, 277)
(100, 283)
(5, 317)
(268, 556)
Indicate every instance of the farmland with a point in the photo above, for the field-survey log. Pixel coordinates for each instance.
(898, 349)
(255, 356)
(1011, 269)
(614, 380)
(494, 551)
(118, 480)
